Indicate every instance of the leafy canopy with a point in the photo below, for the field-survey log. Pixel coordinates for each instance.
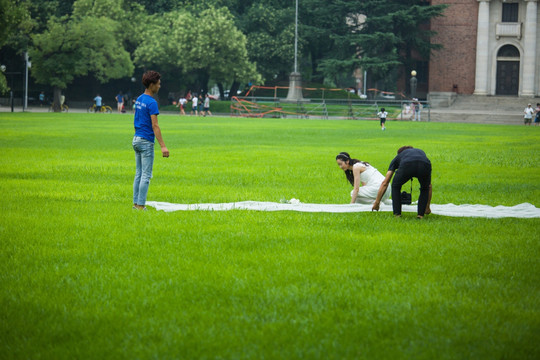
(216, 46)
(376, 35)
(13, 14)
(77, 47)
(89, 41)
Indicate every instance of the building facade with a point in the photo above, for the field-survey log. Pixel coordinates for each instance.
(490, 48)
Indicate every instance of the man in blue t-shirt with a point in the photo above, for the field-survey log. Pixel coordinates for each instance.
(146, 129)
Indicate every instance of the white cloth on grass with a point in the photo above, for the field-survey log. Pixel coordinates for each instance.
(524, 210)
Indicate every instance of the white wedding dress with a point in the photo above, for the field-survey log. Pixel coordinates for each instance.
(373, 180)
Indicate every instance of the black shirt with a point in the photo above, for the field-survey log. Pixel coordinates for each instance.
(406, 156)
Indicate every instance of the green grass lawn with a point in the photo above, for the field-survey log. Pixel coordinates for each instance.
(83, 276)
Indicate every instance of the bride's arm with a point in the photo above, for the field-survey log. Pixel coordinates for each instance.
(357, 170)
(382, 190)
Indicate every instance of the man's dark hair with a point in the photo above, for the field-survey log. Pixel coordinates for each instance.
(404, 148)
(150, 77)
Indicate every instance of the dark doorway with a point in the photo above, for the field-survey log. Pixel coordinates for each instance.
(507, 77)
(508, 71)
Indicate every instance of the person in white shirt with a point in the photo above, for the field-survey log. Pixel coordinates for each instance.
(382, 115)
(182, 104)
(194, 102)
(207, 105)
(529, 111)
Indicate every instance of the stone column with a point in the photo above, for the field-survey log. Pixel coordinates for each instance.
(529, 48)
(482, 48)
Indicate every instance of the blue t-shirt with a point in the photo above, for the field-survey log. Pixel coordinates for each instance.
(144, 107)
(97, 99)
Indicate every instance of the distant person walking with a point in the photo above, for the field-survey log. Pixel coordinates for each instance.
(529, 111)
(417, 108)
(537, 117)
(382, 116)
(206, 108)
(120, 101)
(98, 101)
(200, 102)
(182, 104)
(41, 98)
(146, 129)
(194, 101)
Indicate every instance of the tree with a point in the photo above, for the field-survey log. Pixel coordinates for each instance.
(407, 29)
(269, 28)
(376, 35)
(37, 14)
(13, 13)
(160, 6)
(77, 47)
(130, 16)
(208, 44)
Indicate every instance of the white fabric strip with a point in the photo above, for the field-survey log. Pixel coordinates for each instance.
(524, 210)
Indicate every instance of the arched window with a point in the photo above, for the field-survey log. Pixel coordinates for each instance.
(508, 51)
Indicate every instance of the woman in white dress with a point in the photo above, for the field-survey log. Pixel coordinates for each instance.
(361, 172)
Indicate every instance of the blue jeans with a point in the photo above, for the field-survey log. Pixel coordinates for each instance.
(144, 157)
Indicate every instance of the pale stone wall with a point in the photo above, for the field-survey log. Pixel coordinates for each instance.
(472, 34)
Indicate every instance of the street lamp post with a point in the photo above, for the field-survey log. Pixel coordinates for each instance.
(413, 82)
(132, 94)
(27, 65)
(295, 78)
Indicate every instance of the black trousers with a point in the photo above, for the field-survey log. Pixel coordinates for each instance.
(418, 169)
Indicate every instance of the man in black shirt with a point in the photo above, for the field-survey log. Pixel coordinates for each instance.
(408, 163)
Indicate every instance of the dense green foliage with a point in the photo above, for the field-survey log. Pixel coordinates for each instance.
(225, 42)
(220, 52)
(12, 15)
(84, 276)
(75, 48)
(388, 35)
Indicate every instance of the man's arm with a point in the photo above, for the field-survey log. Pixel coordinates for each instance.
(428, 207)
(382, 190)
(157, 132)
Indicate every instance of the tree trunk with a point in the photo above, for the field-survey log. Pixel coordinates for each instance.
(234, 89)
(56, 99)
(204, 82)
(221, 91)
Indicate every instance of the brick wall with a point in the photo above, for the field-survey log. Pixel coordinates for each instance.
(455, 63)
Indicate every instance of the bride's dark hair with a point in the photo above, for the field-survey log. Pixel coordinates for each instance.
(345, 157)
